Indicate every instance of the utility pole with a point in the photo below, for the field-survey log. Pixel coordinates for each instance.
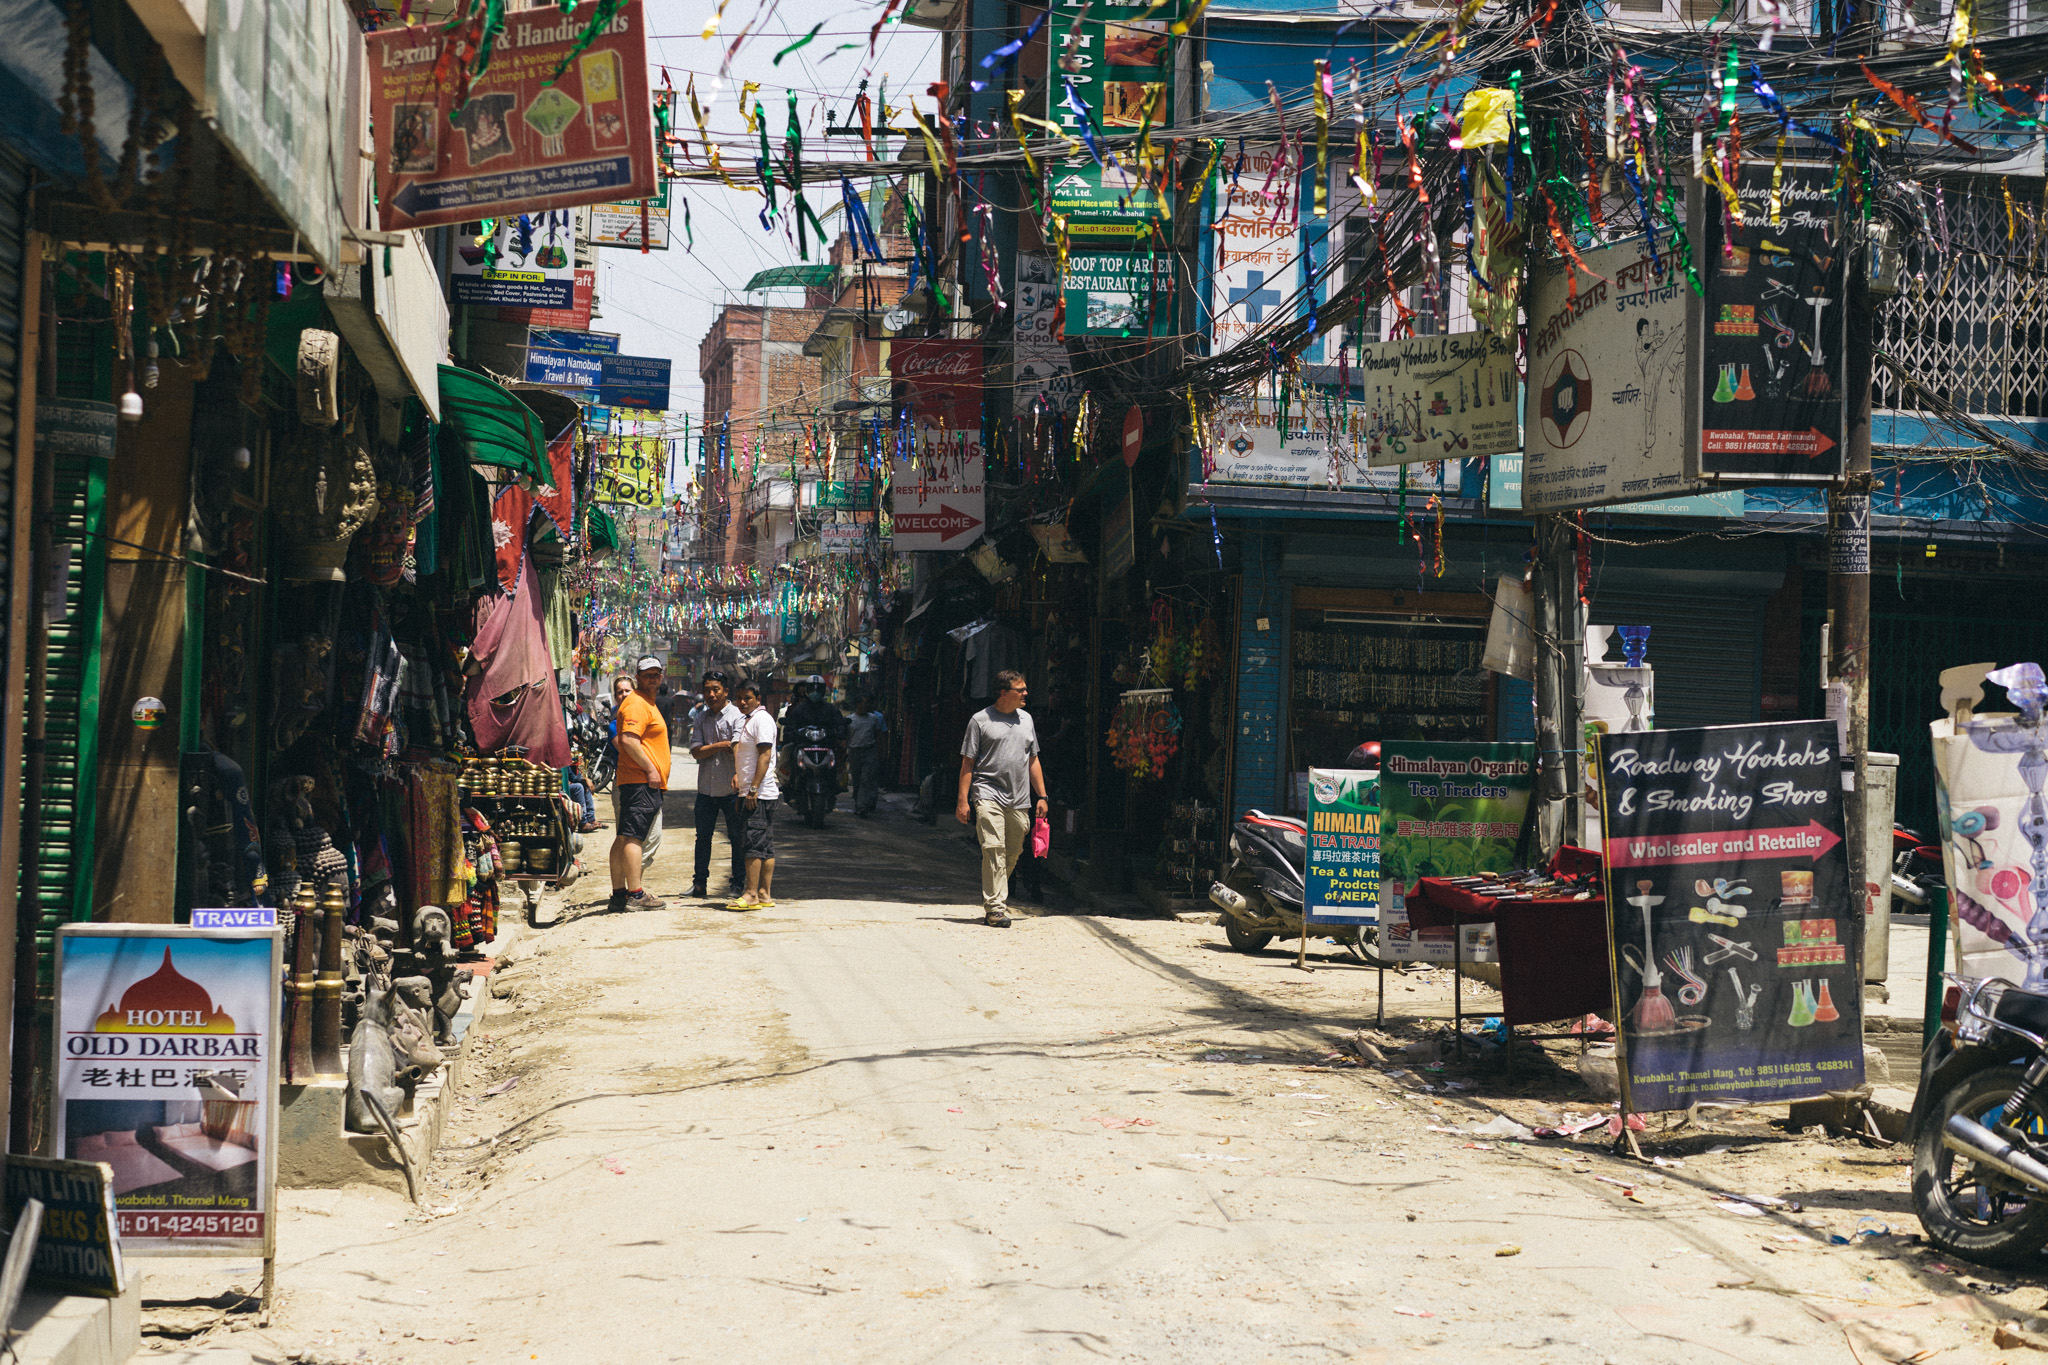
(1560, 638)
(1849, 573)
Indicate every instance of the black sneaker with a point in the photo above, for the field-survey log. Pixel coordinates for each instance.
(697, 892)
(617, 901)
(997, 919)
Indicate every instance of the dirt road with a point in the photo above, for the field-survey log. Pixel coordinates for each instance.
(863, 1127)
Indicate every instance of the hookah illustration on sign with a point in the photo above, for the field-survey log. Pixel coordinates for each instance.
(1745, 1002)
(1653, 1013)
(2027, 736)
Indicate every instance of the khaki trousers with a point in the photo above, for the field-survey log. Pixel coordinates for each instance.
(1001, 830)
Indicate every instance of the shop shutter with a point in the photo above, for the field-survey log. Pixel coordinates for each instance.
(13, 199)
(1707, 650)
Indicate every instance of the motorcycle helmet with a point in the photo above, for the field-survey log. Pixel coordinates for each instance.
(1366, 755)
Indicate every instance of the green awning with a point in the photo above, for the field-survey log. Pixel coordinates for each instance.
(812, 276)
(604, 532)
(495, 427)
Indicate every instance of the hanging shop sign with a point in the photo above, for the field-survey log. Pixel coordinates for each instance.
(619, 224)
(842, 538)
(1042, 372)
(833, 495)
(526, 139)
(166, 1070)
(1446, 810)
(1113, 55)
(635, 381)
(278, 77)
(1257, 267)
(1343, 846)
(576, 317)
(938, 493)
(576, 343)
(564, 369)
(629, 470)
(1738, 944)
(1504, 493)
(1768, 392)
(77, 1249)
(1119, 292)
(76, 426)
(1607, 380)
(1324, 447)
(534, 264)
(1438, 398)
(1102, 201)
(1994, 826)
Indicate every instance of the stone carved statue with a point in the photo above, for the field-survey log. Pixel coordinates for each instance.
(433, 931)
(373, 1066)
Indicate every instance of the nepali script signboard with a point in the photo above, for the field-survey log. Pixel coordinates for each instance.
(1737, 943)
(166, 1071)
(1606, 399)
(1343, 846)
(527, 138)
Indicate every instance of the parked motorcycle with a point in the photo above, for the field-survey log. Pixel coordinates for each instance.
(815, 789)
(594, 747)
(1916, 867)
(1263, 890)
(1980, 1126)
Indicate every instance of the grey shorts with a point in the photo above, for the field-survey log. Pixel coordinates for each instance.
(639, 804)
(757, 828)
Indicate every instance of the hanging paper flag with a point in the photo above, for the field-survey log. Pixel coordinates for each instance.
(799, 42)
(1487, 117)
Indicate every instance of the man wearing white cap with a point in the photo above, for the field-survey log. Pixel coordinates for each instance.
(642, 784)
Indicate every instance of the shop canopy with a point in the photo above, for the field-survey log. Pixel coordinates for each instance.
(783, 276)
(497, 428)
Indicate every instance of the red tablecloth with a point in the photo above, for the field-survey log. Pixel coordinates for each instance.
(1553, 953)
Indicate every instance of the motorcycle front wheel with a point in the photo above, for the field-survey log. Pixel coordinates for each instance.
(602, 770)
(1967, 1208)
(815, 806)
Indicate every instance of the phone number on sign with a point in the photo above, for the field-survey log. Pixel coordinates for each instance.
(191, 1224)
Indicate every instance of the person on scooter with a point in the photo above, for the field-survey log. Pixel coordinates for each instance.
(811, 709)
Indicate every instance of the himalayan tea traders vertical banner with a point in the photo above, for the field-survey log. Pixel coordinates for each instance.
(1343, 846)
(1739, 945)
(166, 1071)
(1446, 810)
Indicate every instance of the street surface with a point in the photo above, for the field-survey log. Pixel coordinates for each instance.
(863, 1127)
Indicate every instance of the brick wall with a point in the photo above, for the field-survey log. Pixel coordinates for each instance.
(1261, 678)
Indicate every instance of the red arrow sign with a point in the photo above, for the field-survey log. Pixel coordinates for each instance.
(1810, 443)
(1807, 841)
(948, 521)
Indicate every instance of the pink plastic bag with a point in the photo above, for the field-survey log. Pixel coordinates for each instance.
(1041, 836)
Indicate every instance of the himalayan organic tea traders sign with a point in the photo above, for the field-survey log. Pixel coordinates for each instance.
(527, 138)
(1446, 810)
(1343, 846)
(1738, 944)
(166, 1071)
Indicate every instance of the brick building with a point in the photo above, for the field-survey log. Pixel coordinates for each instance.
(758, 386)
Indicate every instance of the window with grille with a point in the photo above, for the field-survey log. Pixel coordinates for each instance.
(1968, 320)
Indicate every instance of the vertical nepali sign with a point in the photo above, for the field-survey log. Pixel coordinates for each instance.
(166, 1071)
(1258, 248)
(1343, 846)
(939, 499)
(1738, 944)
(1113, 56)
(527, 139)
(1768, 392)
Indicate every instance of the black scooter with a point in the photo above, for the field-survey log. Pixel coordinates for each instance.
(1980, 1126)
(816, 776)
(1263, 890)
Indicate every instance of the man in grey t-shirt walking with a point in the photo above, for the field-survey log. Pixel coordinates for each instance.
(1001, 788)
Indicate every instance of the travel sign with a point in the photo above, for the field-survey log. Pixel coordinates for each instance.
(1102, 201)
(550, 125)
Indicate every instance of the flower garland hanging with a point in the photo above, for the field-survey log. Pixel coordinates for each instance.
(1144, 734)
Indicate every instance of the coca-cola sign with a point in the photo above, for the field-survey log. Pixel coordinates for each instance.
(940, 381)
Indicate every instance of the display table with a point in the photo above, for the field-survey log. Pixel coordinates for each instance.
(1554, 958)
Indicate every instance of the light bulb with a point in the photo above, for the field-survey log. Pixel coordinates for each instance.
(131, 406)
(242, 457)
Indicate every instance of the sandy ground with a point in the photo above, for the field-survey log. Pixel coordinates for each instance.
(863, 1127)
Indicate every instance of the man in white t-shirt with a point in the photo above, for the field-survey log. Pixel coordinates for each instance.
(755, 793)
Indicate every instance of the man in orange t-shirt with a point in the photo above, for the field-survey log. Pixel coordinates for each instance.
(642, 784)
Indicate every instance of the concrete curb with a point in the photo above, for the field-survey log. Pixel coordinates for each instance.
(70, 1329)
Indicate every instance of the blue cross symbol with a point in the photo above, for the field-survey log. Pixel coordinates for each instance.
(1255, 297)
